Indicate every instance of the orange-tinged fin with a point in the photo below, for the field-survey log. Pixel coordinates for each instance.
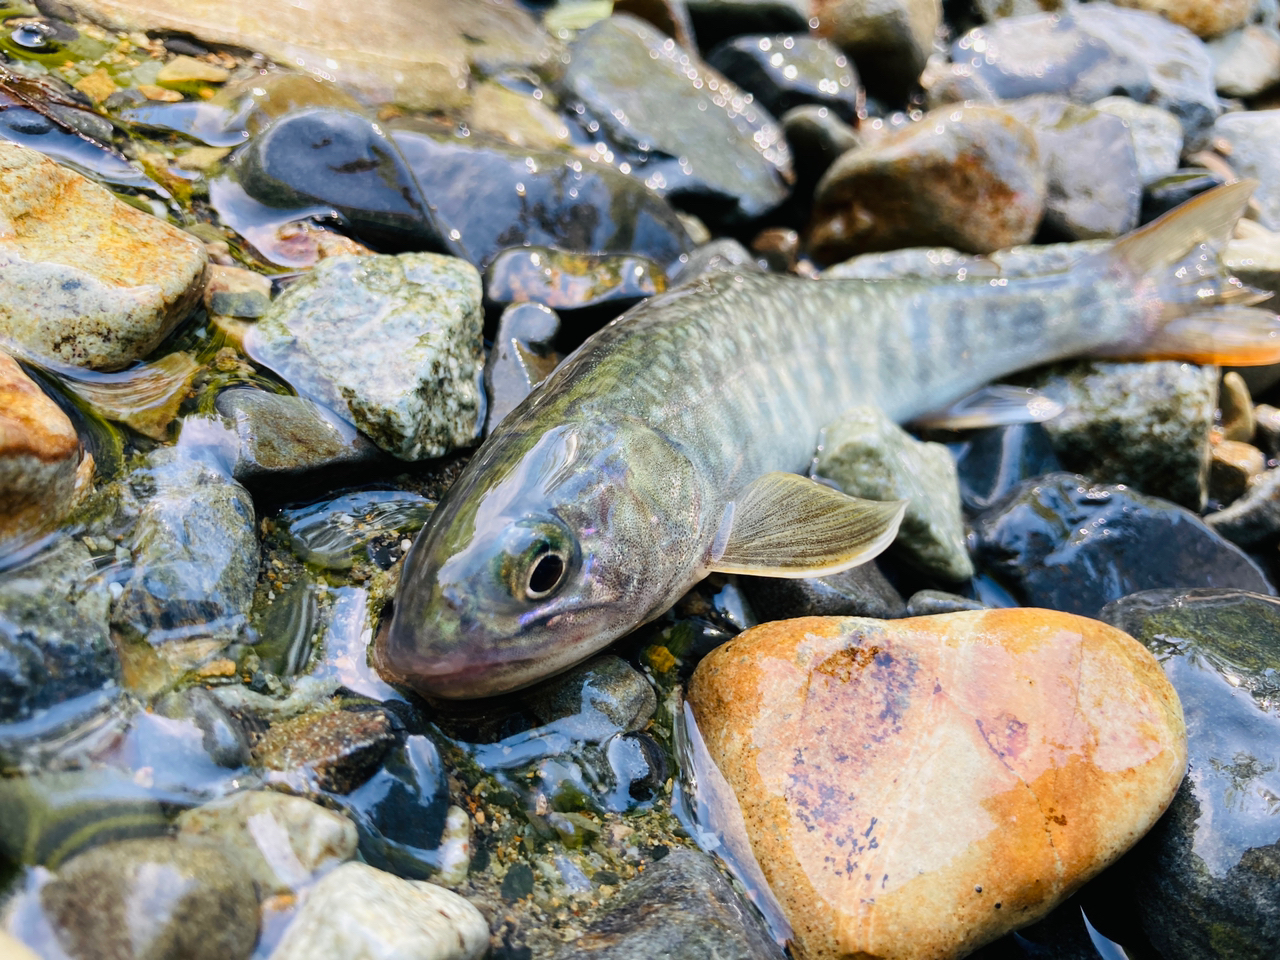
(1201, 314)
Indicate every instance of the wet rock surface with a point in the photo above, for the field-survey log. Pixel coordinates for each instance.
(888, 41)
(1251, 139)
(784, 71)
(1055, 787)
(1206, 872)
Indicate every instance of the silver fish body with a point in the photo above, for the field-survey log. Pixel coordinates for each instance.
(624, 478)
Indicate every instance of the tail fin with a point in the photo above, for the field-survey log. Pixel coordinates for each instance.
(1205, 314)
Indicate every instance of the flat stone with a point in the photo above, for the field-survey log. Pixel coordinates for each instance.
(359, 912)
(1254, 140)
(390, 343)
(1247, 61)
(915, 788)
(335, 749)
(868, 455)
(281, 841)
(1156, 133)
(417, 54)
(1204, 18)
(933, 182)
(183, 70)
(44, 471)
(103, 295)
(888, 41)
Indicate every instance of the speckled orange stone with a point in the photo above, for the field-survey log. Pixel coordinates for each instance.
(916, 788)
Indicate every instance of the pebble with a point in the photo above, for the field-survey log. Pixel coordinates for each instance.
(868, 455)
(359, 913)
(862, 591)
(1205, 877)
(1091, 167)
(222, 734)
(1063, 542)
(1156, 133)
(1237, 408)
(1233, 467)
(1254, 259)
(995, 9)
(915, 788)
(101, 296)
(603, 691)
(1142, 424)
(926, 603)
(694, 134)
(417, 54)
(817, 136)
(281, 841)
(681, 908)
(723, 253)
(933, 182)
(1164, 194)
(337, 749)
(778, 248)
(669, 16)
(565, 281)
(44, 470)
(1267, 428)
(888, 41)
(1254, 141)
(236, 292)
(1246, 62)
(522, 356)
(390, 343)
(332, 533)
(1204, 19)
(1254, 518)
(183, 71)
(783, 72)
(153, 898)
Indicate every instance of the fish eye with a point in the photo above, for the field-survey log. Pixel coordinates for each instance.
(546, 573)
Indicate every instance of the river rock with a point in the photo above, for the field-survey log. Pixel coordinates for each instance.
(1091, 167)
(1255, 517)
(721, 254)
(521, 119)
(1236, 407)
(342, 160)
(417, 54)
(1064, 542)
(1253, 138)
(681, 909)
(603, 283)
(153, 898)
(332, 533)
(1086, 52)
(283, 436)
(1246, 62)
(1142, 424)
(915, 788)
(44, 471)
(1205, 876)
(281, 841)
(993, 461)
(862, 591)
(995, 9)
(604, 691)
(933, 182)
(1156, 133)
(817, 136)
(783, 72)
(695, 136)
(357, 911)
(102, 295)
(522, 357)
(335, 749)
(1201, 18)
(868, 455)
(1233, 467)
(889, 41)
(495, 196)
(390, 343)
(54, 643)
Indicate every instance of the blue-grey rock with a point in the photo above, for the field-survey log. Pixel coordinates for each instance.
(1156, 133)
(816, 136)
(723, 253)
(1253, 138)
(392, 343)
(1063, 542)
(522, 356)
(331, 534)
(786, 71)
(1205, 877)
(860, 592)
(604, 690)
(993, 461)
(694, 136)
(925, 603)
(1253, 519)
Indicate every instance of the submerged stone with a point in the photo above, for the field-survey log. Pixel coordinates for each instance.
(331, 534)
(1205, 877)
(336, 749)
(915, 788)
(390, 343)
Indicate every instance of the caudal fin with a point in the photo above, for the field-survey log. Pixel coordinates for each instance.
(1206, 315)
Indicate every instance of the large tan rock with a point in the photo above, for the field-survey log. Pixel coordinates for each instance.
(43, 469)
(417, 53)
(1204, 18)
(915, 788)
(85, 278)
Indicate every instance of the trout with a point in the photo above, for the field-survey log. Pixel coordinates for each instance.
(670, 444)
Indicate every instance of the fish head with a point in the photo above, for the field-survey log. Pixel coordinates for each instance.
(548, 548)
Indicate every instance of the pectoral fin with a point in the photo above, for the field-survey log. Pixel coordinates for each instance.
(786, 525)
(997, 405)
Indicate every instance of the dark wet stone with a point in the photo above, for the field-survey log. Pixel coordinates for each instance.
(860, 592)
(606, 691)
(640, 770)
(1090, 165)
(517, 883)
(777, 247)
(400, 811)
(888, 39)
(287, 627)
(223, 736)
(151, 899)
(816, 136)
(1068, 544)
(521, 357)
(330, 534)
(784, 71)
(287, 436)
(681, 908)
(54, 643)
(694, 136)
(1253, 519)
(924, 603)
(964, 177)
(1205, 877)
(496, 196)
(1143, 424)
(715, 21)
(1233, 466)
(1267, 428)
(993, 461)
(342, 160)
(1174, 190)
(1086, 53)
(572, 281)
(336, 749)
(723, 253)
(194, 552)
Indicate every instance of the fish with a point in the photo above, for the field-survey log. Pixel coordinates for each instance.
(672, 443)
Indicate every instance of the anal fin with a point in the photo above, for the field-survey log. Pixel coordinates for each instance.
(786, 525)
